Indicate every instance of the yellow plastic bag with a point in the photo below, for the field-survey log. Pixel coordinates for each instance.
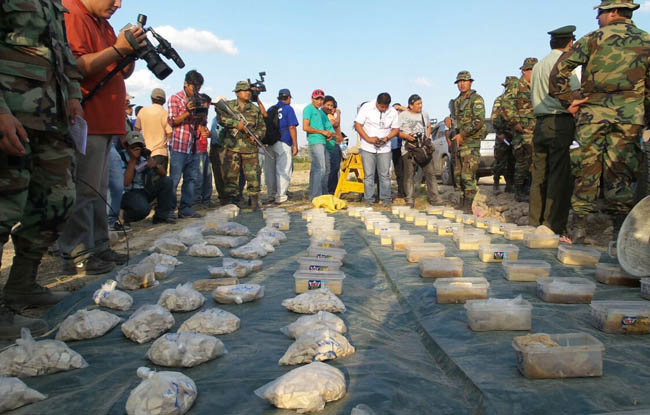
(330, 203)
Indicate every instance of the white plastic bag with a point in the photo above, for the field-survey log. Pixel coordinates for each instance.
(217, 272)
(362, 409)
(187, 349)
(239, 268)
(314, 301)
(14, 394)
(222, 241)
(168, 245)
(205, 251)
(321, 320)
(248, 251)
(213, 321)
(317, 345)
(161, 393)
(231, 229)
(133, 277)
(162, 259)
(238, 294)
(147, 323)
(306, 388)
(87, 324)
(36, 358)
(273, 232)
(191, 235)
(268, 239)
(109, 297)
(230, 210)
(261, 241)
(182, 298)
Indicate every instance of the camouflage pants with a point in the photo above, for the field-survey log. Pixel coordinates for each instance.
(234, 163)
(465, 167)
(522, 148)
(610, 151)
(38, 192)
(504, 161)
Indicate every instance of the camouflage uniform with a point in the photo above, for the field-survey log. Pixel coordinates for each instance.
(518, 109)
(38, 75)
(504, 161)
(469, 111)
(616, 81)
(241, 153)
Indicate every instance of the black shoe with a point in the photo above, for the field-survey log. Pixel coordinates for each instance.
(119, 227)
(191, 215)
(34, 295)
(111, 256)
(69, 267)
(11, 324)
(167, 220)
(95, 266)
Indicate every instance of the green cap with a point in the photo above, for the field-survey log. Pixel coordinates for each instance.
(617, 4)
(463, 76)
(242, 86)
(509, 80)
(134, 137)
(566, 31)
(528, 64)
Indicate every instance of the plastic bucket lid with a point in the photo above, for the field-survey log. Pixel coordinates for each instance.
(633, 245)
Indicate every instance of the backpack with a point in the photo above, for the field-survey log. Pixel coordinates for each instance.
(272, 122)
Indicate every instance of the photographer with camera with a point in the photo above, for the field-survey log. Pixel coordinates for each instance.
(377, 123)
(417, 149)
(183, 109)
(142, 186)
(84, 241)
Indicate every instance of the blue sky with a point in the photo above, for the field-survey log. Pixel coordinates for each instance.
(355, 49)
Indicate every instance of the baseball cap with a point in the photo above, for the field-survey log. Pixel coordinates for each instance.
(158, 93)
(318, 93)
(284, 92)
(134, 137)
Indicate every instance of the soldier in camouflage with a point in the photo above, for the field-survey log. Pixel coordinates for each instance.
(504, 160)
(39, 97)
(611, 116)
(518, 114)
(469, 114)
(241, 150)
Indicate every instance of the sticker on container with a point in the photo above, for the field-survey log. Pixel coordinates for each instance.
(449, 229)
(635, 324)
(500, 255)
(318, 268)
(316, 284)
(322, 256)
(276, 225)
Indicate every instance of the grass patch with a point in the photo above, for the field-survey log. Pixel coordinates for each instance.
(301, 166)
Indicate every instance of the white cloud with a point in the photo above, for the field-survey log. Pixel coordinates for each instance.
(194, 40)
(140, 84)
(422, 81)
(645, 7)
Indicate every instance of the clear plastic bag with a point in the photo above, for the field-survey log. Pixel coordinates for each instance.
(268, 239)
(314, 301)
(186, 349)
(231, 229)
(162, 259)
(147, 323)
(248, 251)
(274, 233)
(231, 210)
(14, 394)
(168, 245)
(305, 389)
(109, 297)
(222, 241)
(35, 358)
(362, 409)
(192, 235)
(317, 345)
(236, 268)
(238, 294)
(182, 298)
(134, 277)
(320, 320)
(264, 244)
(213, 321)
(205, 251)
(87, 324)
(161, 393)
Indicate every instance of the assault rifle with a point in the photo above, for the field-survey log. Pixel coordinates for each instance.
(224, 108)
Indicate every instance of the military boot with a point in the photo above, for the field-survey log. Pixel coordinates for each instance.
(495, 183)
(520, 193)
(21, 289)
(11, 324)
(255, 203)
(579, 231)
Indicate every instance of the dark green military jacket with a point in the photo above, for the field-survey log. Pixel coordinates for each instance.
(469, 112)
(38, 73)
(236, 140)
(517, 105)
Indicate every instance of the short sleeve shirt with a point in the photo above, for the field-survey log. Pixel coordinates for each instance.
(287, 118)
(412, 123)
(317, 120)
(376, 124)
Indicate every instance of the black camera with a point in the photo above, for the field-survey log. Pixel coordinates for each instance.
(145, 152)
(257, 87)
(151, 54)
(200, 106)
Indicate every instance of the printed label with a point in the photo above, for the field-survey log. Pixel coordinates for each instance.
(635, 324)
(318, 268)
(276, 225)
(316, 284)
(321, 256)
(499, 255)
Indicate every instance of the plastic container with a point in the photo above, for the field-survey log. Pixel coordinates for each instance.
(373, 222)
(468, 219)
(316, 216)
(483, 223)
(420, 220)
(318, 265)
(270, 211)
(447, 267)
(435, 210)
(518, 233)
(355, 212)
(433, 225)
(416, 252)
(310, 212)
(332, 235)
(498, 228)
(645, 288)
(459, 290)
(578, 255)
(308, 280)
(326, 253)
(409, 216)
(317, 242)
(403, 213)
(281, 222)
(572, 290)
(498, 253)
(448, 229)
(612, 274)
(387, 226)
(401, 242)
(499, 314)
(571, 355)
(526, 270)
(368, 216)
(621, 317)
(318, 228)
(395, 210)
(467, 231)
(471, 241)
(386, 237)
(539, 241)
(449, 213)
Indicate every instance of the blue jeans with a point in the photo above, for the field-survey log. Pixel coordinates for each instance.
(203, 185)
(335, 166)
(319, 172)
(115, 184)
(380, 163)
(186, 165)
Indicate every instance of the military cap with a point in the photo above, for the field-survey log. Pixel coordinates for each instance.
(528, 64)
(509, 79)
(134, 137)
(242, 86)
(463, 76)
(158, 93)
(617, 4)
(563, 32)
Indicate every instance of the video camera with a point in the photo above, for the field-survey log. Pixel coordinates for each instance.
(201, 105)
(151, 54)
(257, 87)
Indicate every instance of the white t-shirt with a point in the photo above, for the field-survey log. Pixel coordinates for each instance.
(413, 123)
(376, 124)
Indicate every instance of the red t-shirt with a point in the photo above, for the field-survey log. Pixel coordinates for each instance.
(104, 112)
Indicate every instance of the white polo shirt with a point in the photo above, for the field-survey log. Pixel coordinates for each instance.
(376, 124)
